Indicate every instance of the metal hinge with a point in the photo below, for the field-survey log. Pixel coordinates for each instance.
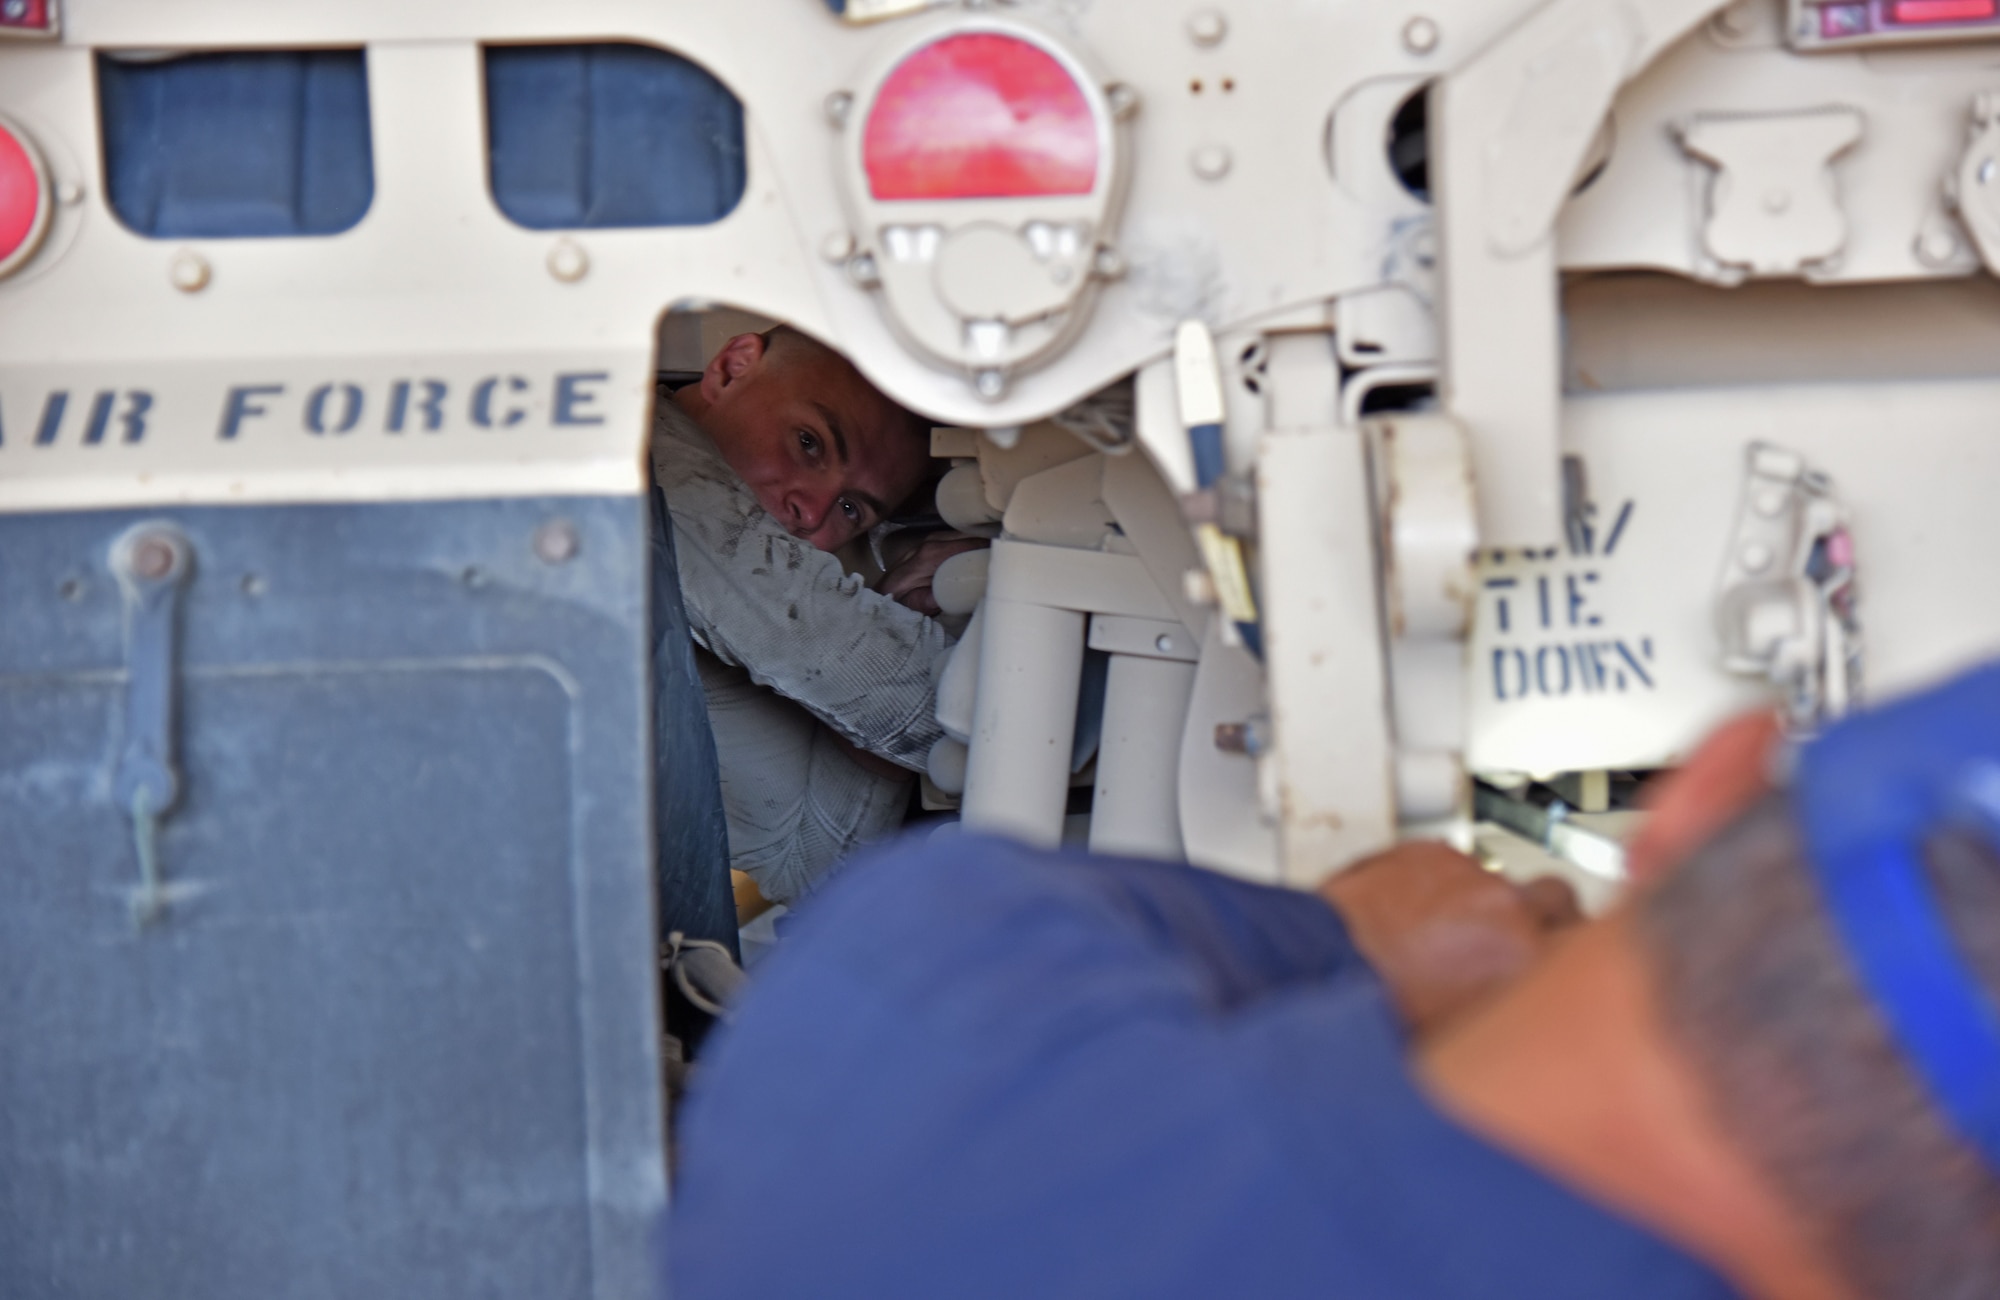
(152, 562)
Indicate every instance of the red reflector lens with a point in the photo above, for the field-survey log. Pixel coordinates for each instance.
(20, 194)
(979, 116)
(1940, 11)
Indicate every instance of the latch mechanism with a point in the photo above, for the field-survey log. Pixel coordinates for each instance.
(1773, 206)
(152, 562)
(1786, 608)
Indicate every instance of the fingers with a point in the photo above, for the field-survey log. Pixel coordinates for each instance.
(921, 600)
(1551, 902)
(1726, 774)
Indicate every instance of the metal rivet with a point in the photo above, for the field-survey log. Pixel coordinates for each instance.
(1421, 35)
(1107, 264)
(152, 557)
(837, 106)
(1123, 99)
(1207, 27)
(1756, 557)
(990, 384)
(1211, 162)
(568, 262)
(837, 247)
(188, 271)
(1163, 643)
(69, 193)
(556, 542)
(862, 270)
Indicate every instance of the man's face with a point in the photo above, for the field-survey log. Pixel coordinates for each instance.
(826, 455)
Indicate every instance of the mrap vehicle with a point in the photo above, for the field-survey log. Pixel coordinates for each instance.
(1464, 404)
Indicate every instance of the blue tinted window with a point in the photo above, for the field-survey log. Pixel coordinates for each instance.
(586, 136)
(243, 143)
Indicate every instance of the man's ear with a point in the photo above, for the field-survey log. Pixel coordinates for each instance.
(728, 367)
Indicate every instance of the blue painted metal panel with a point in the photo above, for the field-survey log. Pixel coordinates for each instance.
(237, 144)
(601, 135)
(396, 1031)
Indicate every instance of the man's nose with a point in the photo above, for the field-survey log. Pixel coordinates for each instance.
(808, 509)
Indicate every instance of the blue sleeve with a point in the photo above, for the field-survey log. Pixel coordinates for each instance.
(1051, 1021)
(982, 1071)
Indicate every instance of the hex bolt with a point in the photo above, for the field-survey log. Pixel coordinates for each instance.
(556, 542)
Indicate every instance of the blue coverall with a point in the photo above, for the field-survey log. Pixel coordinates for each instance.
(983, 1070)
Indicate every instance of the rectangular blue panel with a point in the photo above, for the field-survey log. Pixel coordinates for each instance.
(395, 1033)
(605, 135)
(238, 144)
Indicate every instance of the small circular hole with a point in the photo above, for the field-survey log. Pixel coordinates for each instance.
(70, 589)
(252, 585)
(1194, 87)
(1228, 84)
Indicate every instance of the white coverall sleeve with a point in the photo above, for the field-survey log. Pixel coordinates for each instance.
(786, 612)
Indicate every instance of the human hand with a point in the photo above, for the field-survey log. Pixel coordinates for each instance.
(912, 565)
(1727, 773)
(1442, 931)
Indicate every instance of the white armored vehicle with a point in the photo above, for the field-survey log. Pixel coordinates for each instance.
(1391, 416)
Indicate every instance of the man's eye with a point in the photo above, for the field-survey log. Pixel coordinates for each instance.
(809, 443)
(852, 511)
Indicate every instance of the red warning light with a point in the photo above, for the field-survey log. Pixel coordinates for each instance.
(21, 196)
(1940, 11)
(980, 116)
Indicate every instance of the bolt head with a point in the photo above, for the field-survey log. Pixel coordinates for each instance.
(1163, 643)
(1211, 162)
(837, 106)
(188, 271)
(1123, 99)
(1207, 27)
(152, 557)
(1421, 35)
(837, 247)
(568, 262)
(556, 542)
(990, 384)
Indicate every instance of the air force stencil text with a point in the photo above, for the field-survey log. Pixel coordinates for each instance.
(330, 409)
